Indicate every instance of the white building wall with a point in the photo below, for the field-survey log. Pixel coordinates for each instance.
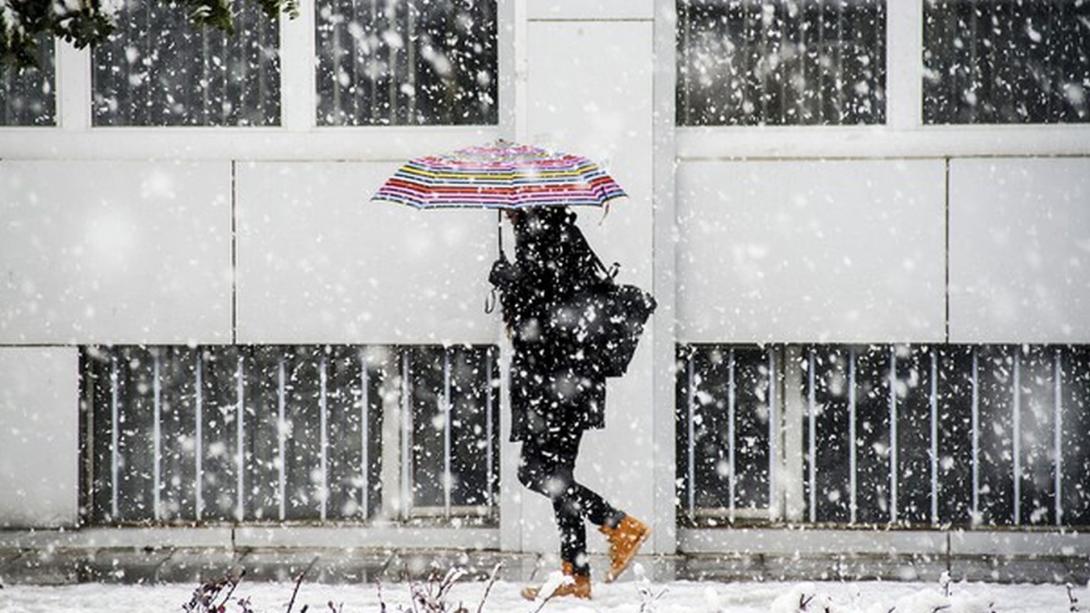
(39, 437)
(106, 251)
(1020, 250)
(115, 252)
(800, 251)
(573, 104)
(319, 263)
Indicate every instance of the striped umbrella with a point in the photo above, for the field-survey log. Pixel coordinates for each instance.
(500, 175)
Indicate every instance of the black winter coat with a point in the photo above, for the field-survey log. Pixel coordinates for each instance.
(552, 386)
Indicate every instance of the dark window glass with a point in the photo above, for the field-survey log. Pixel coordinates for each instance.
(781, 62)
(27, 95)
(159, 70)
(987, 435)
(1006, 61)
(271, 433)
(723, 432)
(396, 62)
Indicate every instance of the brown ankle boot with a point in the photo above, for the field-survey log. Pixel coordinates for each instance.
(624, 541)
(579, 587)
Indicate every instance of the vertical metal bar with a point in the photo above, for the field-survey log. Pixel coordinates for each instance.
(281, 438)
(732, 398)
(690, 469)
(975, 425)
(199, 404)
(406, 434)
(934, 435)
(365, 435)
(773, 436)
(240, 459)
(893, 433)
(488, 434)
(114, 453)
(852, 500)
(446, 432)
(1016, 434)
(157, 437)
(811, 413)
(410, 50)
(1057, 436)
(323, 436)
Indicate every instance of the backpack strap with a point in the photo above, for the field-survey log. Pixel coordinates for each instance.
(610, 272)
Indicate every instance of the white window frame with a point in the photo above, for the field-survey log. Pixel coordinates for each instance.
(297, 138)
(904, 135)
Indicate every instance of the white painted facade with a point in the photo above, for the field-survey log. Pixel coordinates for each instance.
(897, 233)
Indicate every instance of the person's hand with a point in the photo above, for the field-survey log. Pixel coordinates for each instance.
(502, 274)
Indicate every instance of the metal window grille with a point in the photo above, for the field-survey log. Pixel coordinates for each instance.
(781, 62)
(156, 69)
(406, 62)
(989, 435)
(274, 433)
(725, 435)
(1006, 61)
(27, 95)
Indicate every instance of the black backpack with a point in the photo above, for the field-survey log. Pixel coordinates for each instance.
(605, 320)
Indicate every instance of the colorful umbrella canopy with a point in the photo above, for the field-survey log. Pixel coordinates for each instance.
(501, 175)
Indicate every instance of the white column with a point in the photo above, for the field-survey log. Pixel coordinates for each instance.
(240, 438)
(904, 62)
(663, 337)
(794, 412)
(298, 98)
(853, 500)
(391, 436)
(1057, 435)
(39, 437)
(732, 405)
(893, 433)
(73, 87)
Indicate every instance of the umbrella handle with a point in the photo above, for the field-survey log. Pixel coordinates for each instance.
(499, 231)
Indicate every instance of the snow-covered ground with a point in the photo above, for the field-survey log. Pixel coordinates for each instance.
(680, 597)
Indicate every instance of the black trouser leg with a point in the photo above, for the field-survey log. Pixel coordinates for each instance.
(548, 465)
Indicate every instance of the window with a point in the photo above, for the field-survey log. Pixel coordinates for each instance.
(272, 433)
(159, 70)
(724, 431)
(989, 435)
(397, 62)
(1006, 61)
(781, 62)
(26, 95)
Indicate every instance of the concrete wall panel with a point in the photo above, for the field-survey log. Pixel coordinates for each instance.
(319, 263)
(115, 252)
(598, 102)
(1019, 250)
(594, 9)
(39, 437)
(811, 251)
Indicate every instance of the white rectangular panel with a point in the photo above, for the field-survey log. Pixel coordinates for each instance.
(597, 101)
(844, 251)
(593, 9)
(319, 263)
(1019, 250)
(115, 252)
(39, 437)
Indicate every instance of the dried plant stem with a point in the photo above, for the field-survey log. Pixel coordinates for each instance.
(299, 582)
(488, 586)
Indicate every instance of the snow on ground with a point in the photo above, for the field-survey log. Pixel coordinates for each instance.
(680, 597)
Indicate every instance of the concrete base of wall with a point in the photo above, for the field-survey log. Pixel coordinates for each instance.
(153, 555)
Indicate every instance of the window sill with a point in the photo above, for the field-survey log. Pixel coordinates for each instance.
(375, 143)
(810, 142)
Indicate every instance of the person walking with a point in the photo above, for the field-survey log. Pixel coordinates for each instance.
(556, 391)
